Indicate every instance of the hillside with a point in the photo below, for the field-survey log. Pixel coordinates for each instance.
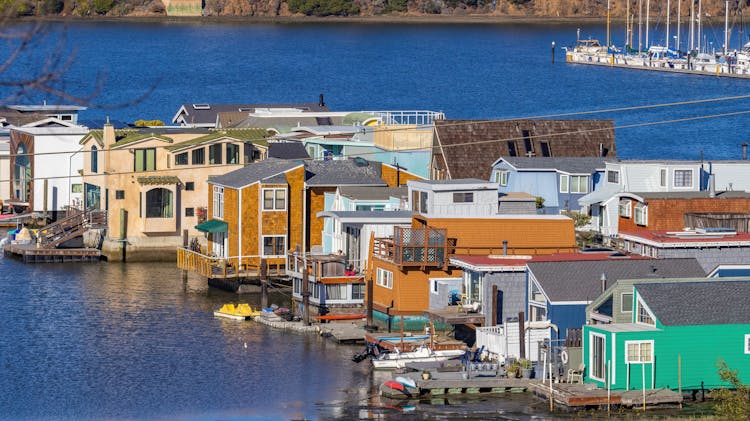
(391, 8)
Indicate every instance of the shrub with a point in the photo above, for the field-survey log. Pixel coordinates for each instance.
(731, 404)
(145, 123)
(101, 7)
(323, 7)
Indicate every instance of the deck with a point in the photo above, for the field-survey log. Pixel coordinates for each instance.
(576, 395)
(30, 253)
(454, 315)
(213, 268)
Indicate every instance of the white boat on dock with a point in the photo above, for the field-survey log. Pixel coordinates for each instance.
(396, 359)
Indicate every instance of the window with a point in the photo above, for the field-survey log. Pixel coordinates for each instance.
(336, 292)
(644, 316)
(199, 156)
(358, 291)
(641, 214)
(218, 202)
(297, 286)
(145, 159)
(527, 143)
(94, 160)
(613, 177)
(747, 344)
(537, 313)
(683, 178)
(119, 194)
(500, 177)
(419, 201)
(274, 246)
(181, 159)
(159, 203)
(233, 153)
(624, 208)
(579, 184)
(190, 212)
(434, 286)
(564, 181)
(214, 154)
(463, 197)
(76, 188)
(190, 186)
(663, 177)
(384, 278)
(639, 352)
(512, 148)
(626, 303)
(274, 199)
(545, 148)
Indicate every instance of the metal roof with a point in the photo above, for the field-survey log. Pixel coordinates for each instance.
(698, 303)
(571, 165)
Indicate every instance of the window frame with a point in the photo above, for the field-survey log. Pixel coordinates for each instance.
(640, 214)
(189, 212)
(190, 186)
(274, 246)
(747, 343)
(384, 278)
(501, 177)
(581, 179)
(119, 194)
(627, 205)
(180, 162)
(613, 176)
(218, 202)
(94, 159)
(677, 171)
(198, 153)
(594, 368)
(150, 203)
(215, 154)
(640, 307)
(663, 177)
(564, 185)
(463, 196)
(622, 301)
(145, 152)
(640, 344)
(274, 200)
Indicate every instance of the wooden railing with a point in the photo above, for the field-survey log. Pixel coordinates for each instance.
(71, 227)
(230, 267)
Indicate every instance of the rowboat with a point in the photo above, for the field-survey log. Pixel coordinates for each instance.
(238, 312)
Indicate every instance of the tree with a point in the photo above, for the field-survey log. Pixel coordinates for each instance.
(731, 404)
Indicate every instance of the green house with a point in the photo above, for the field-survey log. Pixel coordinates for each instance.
(678, 332)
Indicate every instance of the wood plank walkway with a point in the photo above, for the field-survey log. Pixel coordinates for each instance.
(578, 395)
(30, 253)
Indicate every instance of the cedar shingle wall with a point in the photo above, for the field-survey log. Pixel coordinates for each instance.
(296, 180)
(317, 204)
(482, 143)
(388, 174)
(668, 214)
(250, 202)
(231, 217)
(411, 289)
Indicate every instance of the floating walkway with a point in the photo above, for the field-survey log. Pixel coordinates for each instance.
(577, 396)
(30, 253)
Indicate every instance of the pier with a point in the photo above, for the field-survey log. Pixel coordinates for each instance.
(30, 253)
(578, 396)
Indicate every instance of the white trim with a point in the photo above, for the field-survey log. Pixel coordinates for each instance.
(568, 303)
(692, 176)
(579, 177)
(636, 313)
(565, 177)
(217, 190)
(747, 344)
(263, 199)
(613, 360)
(666, 177)
(388, 275)
(724, 267)
(676, 244)
(262, 243)
(651, 357)
(631, 302)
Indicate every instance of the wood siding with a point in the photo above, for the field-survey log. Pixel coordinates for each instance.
(411, 288)
(395, 178)
(668, 214)
(317, 204)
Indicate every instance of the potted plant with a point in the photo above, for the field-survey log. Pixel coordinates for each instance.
(513, 369)
(526, 369)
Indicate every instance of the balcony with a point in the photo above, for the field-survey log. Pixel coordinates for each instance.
(321, 268)
(414, 247)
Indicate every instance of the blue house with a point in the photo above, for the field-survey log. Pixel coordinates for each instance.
(560, 291)
(559, 181)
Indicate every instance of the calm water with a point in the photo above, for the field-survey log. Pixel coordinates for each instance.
(468, 71)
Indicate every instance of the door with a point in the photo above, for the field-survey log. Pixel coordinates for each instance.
(219, 240)
(499, 307)
(597, 359)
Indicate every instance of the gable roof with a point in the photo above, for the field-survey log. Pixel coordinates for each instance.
(254, 172)
(698, 303)
(468, 148)
(572, 165)
(344, 172)
(287, 150)
(581, 280)
(205, 114)
(254, 135)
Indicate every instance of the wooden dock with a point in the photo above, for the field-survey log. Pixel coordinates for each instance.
(442, 383)
(343, 332)
(578, 395)
(30, 253)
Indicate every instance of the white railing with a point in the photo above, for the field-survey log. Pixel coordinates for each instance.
(418, 117)
(503, 341)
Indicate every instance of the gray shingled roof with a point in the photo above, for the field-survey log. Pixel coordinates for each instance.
(372, 193)
(574, 165)
(254, 172)
(208, 116)
(692, 195)
(287, 150)
(698, 303)
(345, 172)
(581, 280)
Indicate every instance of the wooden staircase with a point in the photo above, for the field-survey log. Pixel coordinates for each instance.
(70, 227)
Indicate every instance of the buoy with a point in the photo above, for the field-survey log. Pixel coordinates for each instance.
(245, 345)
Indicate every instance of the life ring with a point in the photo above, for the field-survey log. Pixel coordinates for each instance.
(564, 357)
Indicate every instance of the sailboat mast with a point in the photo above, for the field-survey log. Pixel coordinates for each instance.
(648, 8)
(692, 25)
(726, 26)
(667, 26)
(640, 19)
(677, 46)
(627, 26)
(700, 23)
(608, 44)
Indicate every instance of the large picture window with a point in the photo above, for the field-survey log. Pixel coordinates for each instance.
(145, 159)
(159, 203)
(199, 156)
(274, 246)
(274, 199)
(233, 153)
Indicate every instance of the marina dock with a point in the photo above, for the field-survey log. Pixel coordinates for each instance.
(576, 395)
(30, 253)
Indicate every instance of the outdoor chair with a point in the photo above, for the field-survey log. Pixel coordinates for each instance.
(576, 374)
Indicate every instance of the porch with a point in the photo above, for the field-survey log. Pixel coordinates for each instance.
(212, 267)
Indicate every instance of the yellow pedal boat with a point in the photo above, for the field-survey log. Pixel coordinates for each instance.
(236, 312)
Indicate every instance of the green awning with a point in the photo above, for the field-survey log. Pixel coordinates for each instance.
(212, 225)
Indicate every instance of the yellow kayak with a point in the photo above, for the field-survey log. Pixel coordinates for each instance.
(238, 312)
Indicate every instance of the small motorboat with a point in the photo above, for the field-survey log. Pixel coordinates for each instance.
(238, 312)
(394, 360)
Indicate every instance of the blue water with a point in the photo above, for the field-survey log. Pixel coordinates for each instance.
(479, 71)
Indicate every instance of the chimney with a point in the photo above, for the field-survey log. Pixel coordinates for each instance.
(108, 137)
(744, 151)
(321, 102)
(711, 185)
(505, 247)
(603, 279)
